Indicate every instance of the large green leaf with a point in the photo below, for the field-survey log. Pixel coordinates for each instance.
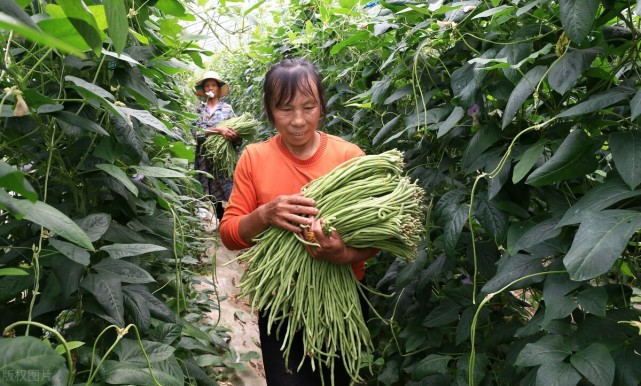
(431, 364)
(157, 308)
(597, 102)
(565, 72)
(358, 37)
(451, 121)
(527, 160)
(575, 158)
(594, 300)
(445, 313)
(385, 130)
(129, 351)
(119, 175)
(625, 147)
(548, 349)
(118, 23)
(71, 251)
(125, 271)
(118, 373)
(129, 138)
(602, 196)
(599, 242)
(66, 118)
(12, 9)
(51, 218)
(628, 371)
(107, 290)
(533, 235)
(522, 92)
(145, 117)
(95, 225)
(512, 270)
(557, 374)
(84, 22)
(577, 17)
(635, 106)
(27, 361)
(41, 37)
(483, 139)
(493, 220)
(11, 179)
(154, 171)
(137, 309)
(118, 251)
(595, 363)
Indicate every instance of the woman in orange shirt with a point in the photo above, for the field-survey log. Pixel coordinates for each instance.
(266, 192)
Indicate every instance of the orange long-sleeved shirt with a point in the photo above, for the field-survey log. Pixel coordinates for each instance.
(266, 170)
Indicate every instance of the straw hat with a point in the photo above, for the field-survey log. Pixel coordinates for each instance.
(198, 86)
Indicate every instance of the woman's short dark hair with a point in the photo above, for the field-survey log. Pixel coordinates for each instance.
(288, 77)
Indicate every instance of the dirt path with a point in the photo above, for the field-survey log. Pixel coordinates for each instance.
(235, 314)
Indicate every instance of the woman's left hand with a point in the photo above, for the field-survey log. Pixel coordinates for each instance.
(227, 132)
(331, 249)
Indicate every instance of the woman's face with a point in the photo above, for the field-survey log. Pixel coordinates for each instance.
(211, 85)
(297, 120)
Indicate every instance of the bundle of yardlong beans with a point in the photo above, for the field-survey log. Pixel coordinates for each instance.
(369, 203)
(221, 151)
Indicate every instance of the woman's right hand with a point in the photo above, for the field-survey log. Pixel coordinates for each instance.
(289, 212)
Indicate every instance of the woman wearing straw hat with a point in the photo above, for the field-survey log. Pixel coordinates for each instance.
(210, 88)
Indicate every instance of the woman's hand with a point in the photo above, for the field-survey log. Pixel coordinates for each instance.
(331, 249)
(289, 212)
(227, 132)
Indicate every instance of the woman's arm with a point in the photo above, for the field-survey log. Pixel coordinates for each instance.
(333, 249)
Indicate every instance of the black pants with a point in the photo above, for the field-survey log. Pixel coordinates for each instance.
(219, 210)
(280, 374)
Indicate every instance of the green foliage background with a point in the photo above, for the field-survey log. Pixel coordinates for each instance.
(520, 118)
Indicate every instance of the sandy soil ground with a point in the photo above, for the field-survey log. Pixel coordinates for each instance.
(235, 314)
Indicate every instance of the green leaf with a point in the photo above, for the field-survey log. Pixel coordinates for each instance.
(358, 37)
(635, 106)
(445, 313)
(51, 218)
(597, 102)
(40, 37)
(493, 220)
(118, 23)
(575, 158)
(548, 349)
(557, 374)
(13, 272)
(385, 130)
(66, 118)
(145, 117)
(11, 179)
(577, 17)
(596, 364)
(129, 138)
(83, 21)
(153, 171)
(62, 29)
(28, 355)
(534, 235)
(522, 92)
(628, 371)
(511, 271)
(483, 139)
(398, 94)
(492, 11)
(119, 175)
(379, 89)
(565, 71)
(625, 147)
(137, 308)
(171, 7)
(431, 364)
(125, 271)
(71, 251)
(60, 349)
(466, 82)
(95, 225)
(454, 225)
(594, 300)
(13, 10)
(107, 291)
(451, 121)
(599, 241)
(129, 351)
(133, 79)
(90, 87)
(118, 251)
(602, 196)
(157, 308)
(118, 373)
(558, 307)
(527, 160)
